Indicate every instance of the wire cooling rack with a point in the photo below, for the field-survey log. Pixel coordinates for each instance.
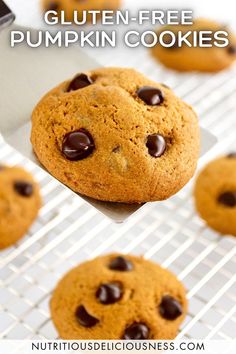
(68, 231)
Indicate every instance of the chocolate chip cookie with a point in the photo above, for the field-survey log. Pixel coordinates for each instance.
(19, 204)
(187, 58)
(118, 297)
(69, 6)
(215, 194)
(114, 135)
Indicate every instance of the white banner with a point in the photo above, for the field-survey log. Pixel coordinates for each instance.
(71, 347)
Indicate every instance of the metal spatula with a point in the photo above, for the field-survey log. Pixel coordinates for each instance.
(26, 74)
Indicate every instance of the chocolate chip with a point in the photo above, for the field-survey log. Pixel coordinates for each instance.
(84, 318)
(170, 308)
(152, 96)
(232, 155)
(25, 189)
(2, 167)
(79, 82)
(228, 199)
(121, 264)
(156, 145)
(231, 50)
(53, 6)
(175, 45)
(108, 294)
(169, 40)
(77, 145)
(136, 331)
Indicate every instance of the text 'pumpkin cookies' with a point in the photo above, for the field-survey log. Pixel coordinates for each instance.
(19, 204)
(118, 297)
(114, 135)
(185, 58)
(215, 194)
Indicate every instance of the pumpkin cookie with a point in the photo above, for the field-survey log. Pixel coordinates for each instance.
(187, 58)
(215, 194)
(19, 204)
(118, 297)
(114, 135)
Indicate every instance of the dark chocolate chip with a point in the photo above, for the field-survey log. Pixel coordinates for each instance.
(2, 167)
(25, 189)
(79, 82)
(232, 155)
(53, 6)
(231, 50)
(168, 39)
(108, 294)
(156, 145)
(228, 199)
(170, 308)
(152, 96)
(78, 145)
(121, 264)
(174, 45)
(84, 318)
(136, 331)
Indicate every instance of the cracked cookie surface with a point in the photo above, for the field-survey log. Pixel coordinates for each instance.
(19, 204)
(118, 297)
(114, 135)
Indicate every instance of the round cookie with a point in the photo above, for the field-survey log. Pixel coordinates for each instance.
(196, 59)
(114, 135)
(69, 6)
(215, 194)
(118, 297)
(19, 204)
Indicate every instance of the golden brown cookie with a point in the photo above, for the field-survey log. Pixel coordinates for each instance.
(215, 194)
(19, 204)
(118, 297)
(114, 135)
(195, 58)
(69, 6)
